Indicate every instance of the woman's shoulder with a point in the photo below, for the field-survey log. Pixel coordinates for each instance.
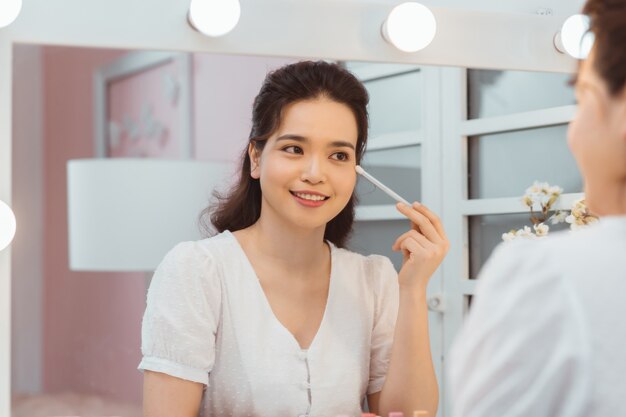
(564, 247)
(551, 260)
(197, 253)
(374, 260)
(375, 268)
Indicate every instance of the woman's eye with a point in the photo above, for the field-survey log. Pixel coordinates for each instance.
(341, 156)
(293, 149)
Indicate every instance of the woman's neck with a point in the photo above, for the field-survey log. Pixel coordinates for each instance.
(295, 249)
(610, 200)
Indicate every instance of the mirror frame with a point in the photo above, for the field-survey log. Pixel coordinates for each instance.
(514, 41)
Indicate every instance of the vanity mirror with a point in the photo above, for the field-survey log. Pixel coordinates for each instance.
(439, 134)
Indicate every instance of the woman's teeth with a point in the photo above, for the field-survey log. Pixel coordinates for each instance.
(311, 197)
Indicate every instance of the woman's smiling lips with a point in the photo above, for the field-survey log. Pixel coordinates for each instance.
(309, 198)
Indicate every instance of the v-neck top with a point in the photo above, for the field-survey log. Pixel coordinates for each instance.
(208, 320)
(270, 312)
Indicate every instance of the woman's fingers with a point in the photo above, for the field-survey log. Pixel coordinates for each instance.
(421, 221)
(421, 239)
(434, 219)
(409, 247)
(426, 255)
(423, 247)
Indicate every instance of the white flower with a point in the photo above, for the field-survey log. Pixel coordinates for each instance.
(558, 217)
(555, 190)
(580, 215)
(507, 237)
(533, 189)
(537, 187)
(541, 195)
(528, 201)
(541, 230)
(544, 187)
(525, 232)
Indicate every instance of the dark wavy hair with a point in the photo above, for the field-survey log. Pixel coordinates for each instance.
(608, 24)
(240, 207)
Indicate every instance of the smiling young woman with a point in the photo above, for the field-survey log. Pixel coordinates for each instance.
(273, 316)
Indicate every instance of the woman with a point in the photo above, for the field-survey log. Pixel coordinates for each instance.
(271, 317)
(546, 333)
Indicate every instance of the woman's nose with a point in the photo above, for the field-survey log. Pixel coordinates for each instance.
(313, 171)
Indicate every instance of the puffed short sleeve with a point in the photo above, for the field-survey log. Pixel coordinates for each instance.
(385, 315)
(522, 350)
(182, 315)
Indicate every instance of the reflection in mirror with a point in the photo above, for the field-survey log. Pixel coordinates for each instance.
(394, 150)
(76, 335)
(505, 164)
(486, 233)
(493, 93)
(398, 168)
(376, 237)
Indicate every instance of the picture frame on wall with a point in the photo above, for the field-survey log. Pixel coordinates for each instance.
(143, 106)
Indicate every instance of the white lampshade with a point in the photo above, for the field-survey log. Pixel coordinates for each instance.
(126, 214)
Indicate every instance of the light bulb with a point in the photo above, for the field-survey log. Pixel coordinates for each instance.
(410, 27)
(575, 39)
(214, 17)
(7, 225)
(9, 10)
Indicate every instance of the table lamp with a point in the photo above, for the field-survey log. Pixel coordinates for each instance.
(125, 214)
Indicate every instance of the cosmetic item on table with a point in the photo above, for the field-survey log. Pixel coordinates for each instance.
(381, 186)
(420, 413)
(396, 414)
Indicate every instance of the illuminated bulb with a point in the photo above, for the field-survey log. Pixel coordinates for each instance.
(410, 27)
(9, 9)
(575, 39)
(214, 17)
(7, 225)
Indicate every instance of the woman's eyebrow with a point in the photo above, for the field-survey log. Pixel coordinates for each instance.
(290, 136)
(341, 144)
(298, 138)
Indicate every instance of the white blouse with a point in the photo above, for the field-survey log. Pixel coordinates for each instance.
(207, 320)
(546, 335)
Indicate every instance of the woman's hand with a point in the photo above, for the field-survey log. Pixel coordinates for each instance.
(423, 247)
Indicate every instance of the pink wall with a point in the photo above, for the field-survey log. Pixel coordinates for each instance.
(92, 321)
(224, 88)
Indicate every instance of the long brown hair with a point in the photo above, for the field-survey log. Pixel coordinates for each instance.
(608, 24)
(240, 207)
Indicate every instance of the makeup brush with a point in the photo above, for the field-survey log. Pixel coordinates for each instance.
(381, 186)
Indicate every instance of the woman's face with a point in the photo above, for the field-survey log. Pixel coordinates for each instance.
(306, 169)
(597, 137)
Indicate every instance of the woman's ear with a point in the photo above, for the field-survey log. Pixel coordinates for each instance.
(254, 156)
